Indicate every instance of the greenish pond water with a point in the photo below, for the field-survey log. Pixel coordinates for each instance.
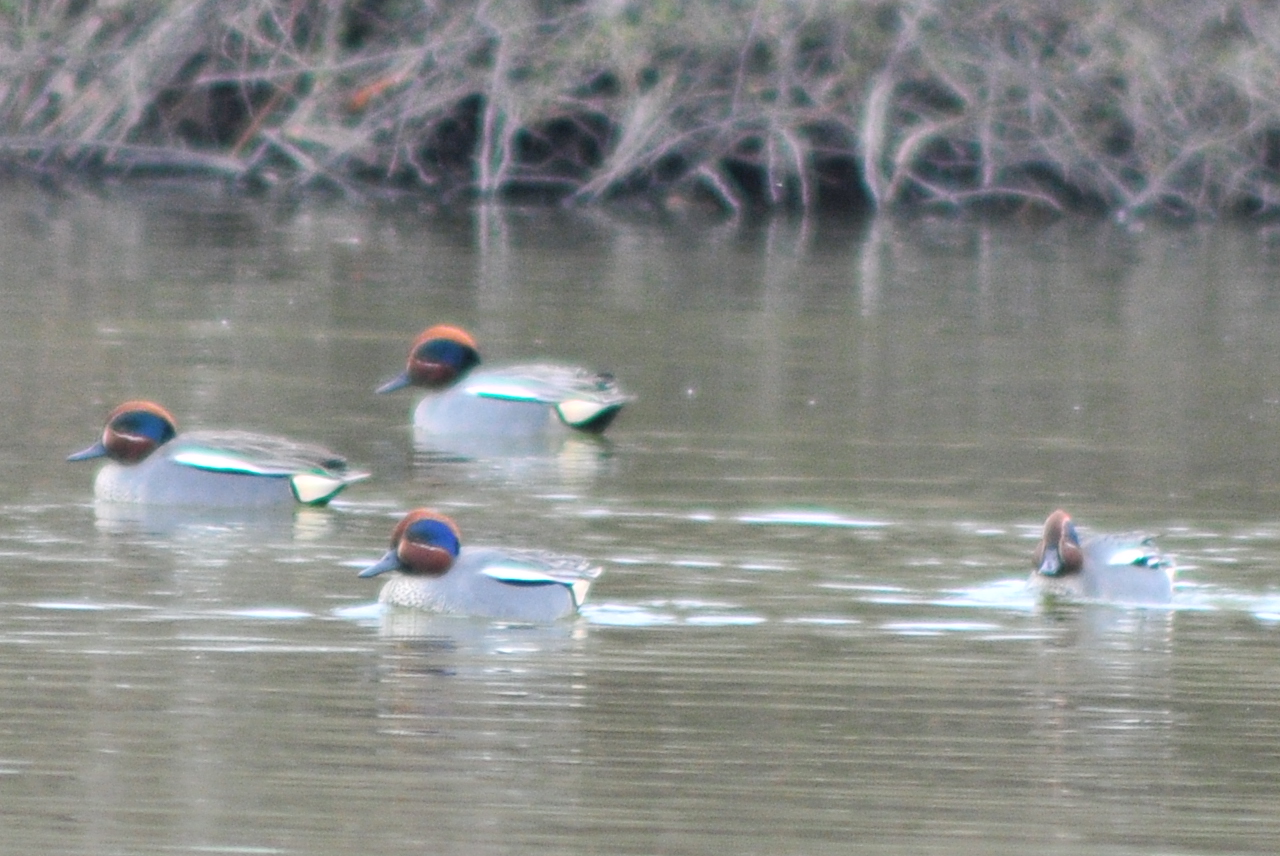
(812, 634)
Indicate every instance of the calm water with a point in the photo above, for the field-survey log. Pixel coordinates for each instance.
(812, 634)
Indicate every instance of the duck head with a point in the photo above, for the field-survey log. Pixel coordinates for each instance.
(1059, 550)
(424, 542)
(439, 356)
(134, 430)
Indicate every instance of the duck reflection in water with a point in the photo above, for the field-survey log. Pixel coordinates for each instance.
(569, 462)
(177, 523)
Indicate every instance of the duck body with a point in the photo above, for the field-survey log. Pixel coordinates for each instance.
(523, 400)
(150, 462)
(518, 400)
(434, 572)
(1125, 569)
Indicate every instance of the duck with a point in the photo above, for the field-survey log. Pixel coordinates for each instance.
(434, 572)
(150, 462)
(517, 400)
(1126, 569)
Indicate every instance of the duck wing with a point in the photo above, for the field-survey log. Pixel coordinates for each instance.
(540, 567)
(316, 473)
(1133, 549)
(583, 398)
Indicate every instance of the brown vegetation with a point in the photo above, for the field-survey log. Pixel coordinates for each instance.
(1170, 107)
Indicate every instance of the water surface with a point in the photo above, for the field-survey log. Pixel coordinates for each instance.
(812, 633)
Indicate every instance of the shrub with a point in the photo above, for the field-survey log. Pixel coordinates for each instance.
(1169, 107)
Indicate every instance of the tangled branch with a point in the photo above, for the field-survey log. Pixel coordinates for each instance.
(1170, 107)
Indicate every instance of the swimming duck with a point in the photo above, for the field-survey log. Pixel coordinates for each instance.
(510, 400)
(150, 462)
(1117, 568)
(435, 572)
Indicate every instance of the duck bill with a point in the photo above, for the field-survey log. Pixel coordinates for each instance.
(388, 562)
(1051, 564)
(97, 450)
(400, 381)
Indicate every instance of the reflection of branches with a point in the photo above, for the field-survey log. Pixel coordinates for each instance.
(1171, 106)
